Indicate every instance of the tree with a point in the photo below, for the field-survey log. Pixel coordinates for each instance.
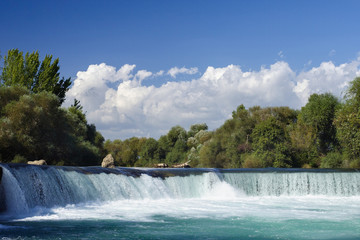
(347, 122)
(194, 129)
(148, 153)
(115, 148)
(8, 94)
(176, 138)
(29, 72)
(319, 114)
(270, 144)
(305, 152)
(33, 126)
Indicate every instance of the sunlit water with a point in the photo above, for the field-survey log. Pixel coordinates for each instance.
(210, 205)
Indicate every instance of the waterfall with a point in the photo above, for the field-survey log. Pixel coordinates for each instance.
(296, 183)
(26, 187)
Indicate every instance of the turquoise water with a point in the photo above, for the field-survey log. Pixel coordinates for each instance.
(73, 203)
(173, 228)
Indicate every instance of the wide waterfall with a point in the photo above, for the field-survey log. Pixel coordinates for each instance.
(25, 187)
(50, 202)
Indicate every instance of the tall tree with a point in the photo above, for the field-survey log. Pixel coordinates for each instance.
(36, 76)
(319, 114)
(347, 122)
(270, 144)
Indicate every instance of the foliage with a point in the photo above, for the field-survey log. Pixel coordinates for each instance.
(33, 126)
(232, 144)
(332, 160)
(270, 144)
(19, 159)
(27, 71)
(347, 122)
(194, 129)
(251, 161)
(319, 114)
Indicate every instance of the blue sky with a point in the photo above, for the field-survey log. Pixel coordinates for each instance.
(301, 37)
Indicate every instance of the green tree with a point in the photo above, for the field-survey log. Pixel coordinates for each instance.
(115, 148)
(28, 71)
(347, 122)
(149, 153)
(270, 144)
(195, 144)
(129, 152)
(33, 126)
(174, 145)
(319, 114)
(305, 152)
(194, 129)
(8, 94)
(232, 144)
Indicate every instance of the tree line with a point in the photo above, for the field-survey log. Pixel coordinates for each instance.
(324, 133)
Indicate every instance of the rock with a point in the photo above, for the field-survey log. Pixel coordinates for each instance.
(37, 162)
(182, 165)
(161, 165)
(108, 162)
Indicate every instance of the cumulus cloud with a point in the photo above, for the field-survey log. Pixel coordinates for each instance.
(326, 78)
(122, 107)
(175, 71)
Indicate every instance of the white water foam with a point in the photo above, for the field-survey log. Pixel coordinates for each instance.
(269, 208)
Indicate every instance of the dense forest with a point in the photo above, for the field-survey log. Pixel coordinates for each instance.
(324, 133)
(33, 125)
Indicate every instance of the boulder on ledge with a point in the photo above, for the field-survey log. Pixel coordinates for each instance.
(161, 165)
(37, 162)
(182, 165)
(108, 162)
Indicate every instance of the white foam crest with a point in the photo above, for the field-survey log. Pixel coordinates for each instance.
(223, 191)
(270, 208)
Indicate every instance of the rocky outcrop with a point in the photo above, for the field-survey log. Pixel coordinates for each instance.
(182, 165)
(108, 162)
(37, 162)
(161, 165)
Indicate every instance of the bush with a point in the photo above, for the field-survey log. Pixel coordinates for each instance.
(252, 162)
(19, 159)
(332, 160)
(355, 163)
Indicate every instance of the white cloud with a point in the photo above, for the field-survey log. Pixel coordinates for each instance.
(141, 75)
(175, 71)
(326, 78)
(90, 86)
(132, 109)
(159, 73)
